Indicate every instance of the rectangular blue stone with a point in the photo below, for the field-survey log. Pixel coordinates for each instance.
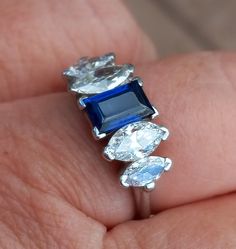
(113, 109)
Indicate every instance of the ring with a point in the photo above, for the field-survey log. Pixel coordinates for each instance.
(118, 108)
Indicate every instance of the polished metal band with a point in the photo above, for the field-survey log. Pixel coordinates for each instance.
(142, 200)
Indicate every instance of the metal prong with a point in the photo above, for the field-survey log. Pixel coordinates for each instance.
(82, 60)
(98, 135)
(167, 133)
(155, 114)
(140, 81)
(108, 156)
(123, 178)
(150, 186)
(168, 164)
(80, 102)
(111, 57)
(130, 68)
(69, 72)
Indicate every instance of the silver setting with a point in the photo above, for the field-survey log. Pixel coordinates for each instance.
(107, 155)
(168, 164)
(140, 81)
(123, 179)
(81, 103)
(155, 114)
(130, 68)
(166, 132)
(111, 58)
(98, 135)
(150, 186)
(80, 61)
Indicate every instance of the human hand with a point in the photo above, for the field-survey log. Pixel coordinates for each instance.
(55, 190)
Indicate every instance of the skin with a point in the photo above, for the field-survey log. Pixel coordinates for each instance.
(55, 190)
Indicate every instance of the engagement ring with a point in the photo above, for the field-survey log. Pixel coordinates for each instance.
(118, 109)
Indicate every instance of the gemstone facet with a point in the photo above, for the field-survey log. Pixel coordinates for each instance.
(113, 109)
(86, 64)
(145, 171)
(96, 75)
(135, 141)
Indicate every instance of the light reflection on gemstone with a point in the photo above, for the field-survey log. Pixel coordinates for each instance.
(96, 75)
(145, 171)
(93, 82)
(86, 64)
(113, 109)
(134, 141)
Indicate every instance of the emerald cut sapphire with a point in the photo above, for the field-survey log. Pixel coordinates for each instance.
(111, 110)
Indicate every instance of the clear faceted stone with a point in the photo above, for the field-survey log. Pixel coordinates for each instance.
(86, 64)
(98, 62)
(145, 171)
(96, 75)
(102, 80)
(134, 141)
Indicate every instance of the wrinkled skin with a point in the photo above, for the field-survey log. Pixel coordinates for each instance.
(55, 190)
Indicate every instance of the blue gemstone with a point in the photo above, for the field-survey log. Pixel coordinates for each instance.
(113, 109)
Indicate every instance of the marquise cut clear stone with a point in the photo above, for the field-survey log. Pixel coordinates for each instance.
(86, 64)
(102, 79)
(134, 141)
(96, 75)
(145, 171)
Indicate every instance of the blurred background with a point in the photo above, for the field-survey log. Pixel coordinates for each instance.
(178, 26)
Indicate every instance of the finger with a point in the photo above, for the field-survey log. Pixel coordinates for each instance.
(55, 150)
(209, 224)
(46, 36)
(196, 97)
(43, 221)
(48, 145)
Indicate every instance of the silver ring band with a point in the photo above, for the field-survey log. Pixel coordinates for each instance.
(142, 203)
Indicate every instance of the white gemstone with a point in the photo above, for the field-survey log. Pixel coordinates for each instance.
(85, 65)
(145, 171)
(102, 79)
(96, 75)
(98, 62)
(134, 141)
